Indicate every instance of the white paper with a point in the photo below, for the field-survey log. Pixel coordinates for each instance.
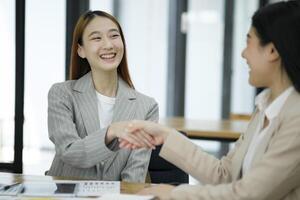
(125, 197)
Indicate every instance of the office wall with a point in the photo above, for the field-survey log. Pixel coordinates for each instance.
(104, 5)
(243, 94)
(204, 59)
(44, 65)
(145, 25)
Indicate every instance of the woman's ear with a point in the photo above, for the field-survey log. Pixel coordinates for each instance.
(80, 51)
(273, 53)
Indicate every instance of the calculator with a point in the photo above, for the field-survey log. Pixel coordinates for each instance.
(97, 188)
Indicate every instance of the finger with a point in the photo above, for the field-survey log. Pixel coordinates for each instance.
(123, 143)
(140, 137)
(130, 138)
(121, 140)
(136, 140)
(158, 140)
(145, 138)
(149, 137)
(142, 141)
(128, 146)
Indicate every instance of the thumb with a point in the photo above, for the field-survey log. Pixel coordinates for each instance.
(135, 125)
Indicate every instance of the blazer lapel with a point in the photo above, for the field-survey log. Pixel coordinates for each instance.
(125, 103)
(240, 154)
(87, 102)
(262, 147)
(124, 109)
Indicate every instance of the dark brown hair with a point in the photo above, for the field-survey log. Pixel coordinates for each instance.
(80, 66)
(279, 23)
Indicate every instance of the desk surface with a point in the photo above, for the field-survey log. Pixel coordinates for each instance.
(208, 129)
(126, 188)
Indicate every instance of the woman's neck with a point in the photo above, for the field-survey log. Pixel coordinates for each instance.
(106, 83)
(279, 86)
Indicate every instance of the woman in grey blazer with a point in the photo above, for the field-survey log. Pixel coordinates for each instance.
(85, 113)
(265, 163)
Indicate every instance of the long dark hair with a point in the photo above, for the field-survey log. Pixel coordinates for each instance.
(80, 66)
(279, 23)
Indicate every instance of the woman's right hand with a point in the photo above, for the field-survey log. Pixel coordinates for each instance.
(120, 130)
(148, 131)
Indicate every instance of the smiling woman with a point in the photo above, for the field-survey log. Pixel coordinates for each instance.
(85, 113)
(102, 45)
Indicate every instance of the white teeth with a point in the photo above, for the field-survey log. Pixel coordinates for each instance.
(108, 56)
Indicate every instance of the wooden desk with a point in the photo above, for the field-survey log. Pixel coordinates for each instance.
(8, 178)
(221, 130)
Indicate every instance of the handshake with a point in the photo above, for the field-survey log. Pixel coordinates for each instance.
(137, 134)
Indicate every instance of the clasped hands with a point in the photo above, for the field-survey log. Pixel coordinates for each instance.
(138, 134)
(142, 134)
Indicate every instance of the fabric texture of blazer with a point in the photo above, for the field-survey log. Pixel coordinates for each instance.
(274, 173)
(74, 128)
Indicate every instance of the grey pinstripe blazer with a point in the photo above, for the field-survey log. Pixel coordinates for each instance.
(73, 126)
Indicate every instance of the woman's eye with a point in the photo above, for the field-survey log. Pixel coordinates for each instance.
(96, 38)
(115, 35)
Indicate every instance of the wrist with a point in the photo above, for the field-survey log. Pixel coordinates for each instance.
(167, 131)
(110, 134)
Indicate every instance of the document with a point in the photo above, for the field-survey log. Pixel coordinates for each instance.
(125, 197)
(10, 189)
(70, 188)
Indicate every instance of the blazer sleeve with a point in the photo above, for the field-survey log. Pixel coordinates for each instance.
(273, 177)
(188, 156)
(137, 165)
(81, 152)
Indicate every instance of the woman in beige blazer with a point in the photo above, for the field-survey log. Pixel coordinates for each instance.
(84, 113)
(265, 163)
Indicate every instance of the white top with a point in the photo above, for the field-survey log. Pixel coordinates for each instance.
(270, 112)
(105, 109)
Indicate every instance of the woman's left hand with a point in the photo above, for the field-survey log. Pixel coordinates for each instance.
(161, 191)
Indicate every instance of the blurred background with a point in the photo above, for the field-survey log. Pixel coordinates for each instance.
(184, 53)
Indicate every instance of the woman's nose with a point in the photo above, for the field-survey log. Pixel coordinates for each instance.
(243, 53)
(107, 44)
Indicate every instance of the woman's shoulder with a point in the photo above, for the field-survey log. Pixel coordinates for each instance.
(141, 97)
(62, 87)
(291, 107)
(134, 94)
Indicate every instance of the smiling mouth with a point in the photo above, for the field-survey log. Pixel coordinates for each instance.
(108, 56)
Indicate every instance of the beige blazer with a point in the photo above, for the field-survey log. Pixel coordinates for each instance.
(74, 128)
(274, 173)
